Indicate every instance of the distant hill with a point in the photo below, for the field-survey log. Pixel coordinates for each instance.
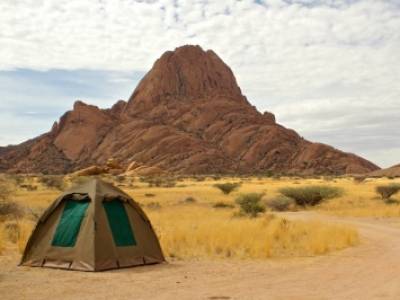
(393, 171)
(187, 115)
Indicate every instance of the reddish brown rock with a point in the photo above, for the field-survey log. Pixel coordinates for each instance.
(187, 115)
(113, 163)
(145, 171)
(393, 171)
(90, 171)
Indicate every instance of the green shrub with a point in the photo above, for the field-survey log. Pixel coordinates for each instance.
(280, 203)
(387, 191)
(311, 195)
(250, 204)
(221, 204)
(227, 187)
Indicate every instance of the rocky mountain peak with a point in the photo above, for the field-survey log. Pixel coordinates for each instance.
(188, 116)
(187, 73)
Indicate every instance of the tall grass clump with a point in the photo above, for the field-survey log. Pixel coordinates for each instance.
(25, 230)
(311, 195)
(189, 233)
(227, 187)
(387, 191)
(250, 204)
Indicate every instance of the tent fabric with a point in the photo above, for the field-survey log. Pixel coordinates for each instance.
(112, 231)
(70, 223)
(119, 223)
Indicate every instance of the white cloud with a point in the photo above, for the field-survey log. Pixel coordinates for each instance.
(289, 55)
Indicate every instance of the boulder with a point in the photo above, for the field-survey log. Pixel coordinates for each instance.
(90, 171)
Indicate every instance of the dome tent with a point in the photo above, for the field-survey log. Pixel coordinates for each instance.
(93, 227)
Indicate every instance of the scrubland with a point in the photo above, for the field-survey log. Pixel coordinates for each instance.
(194, 218)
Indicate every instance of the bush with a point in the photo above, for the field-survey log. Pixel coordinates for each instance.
(250, 204)
(387, 191)
(281, 203)
(51, 181)
(227, 187)
(221, 204)
(311, 195)
(190, 200)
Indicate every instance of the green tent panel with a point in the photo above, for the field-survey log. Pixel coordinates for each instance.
(68, 228)
(119, 223)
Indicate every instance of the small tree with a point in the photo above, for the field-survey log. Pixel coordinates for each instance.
(227, 187)
(311, 195)
(387, 191)
(250, 204)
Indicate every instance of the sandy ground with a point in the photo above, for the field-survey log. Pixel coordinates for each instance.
(368, 271)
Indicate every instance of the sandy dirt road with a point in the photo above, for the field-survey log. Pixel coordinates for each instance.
(368, 271)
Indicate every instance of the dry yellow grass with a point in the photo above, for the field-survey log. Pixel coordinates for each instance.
(361, 200)
(25, 228)
(196, 231)
(358, 200)
(3, 237)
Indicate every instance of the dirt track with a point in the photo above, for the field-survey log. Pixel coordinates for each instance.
(369, 271)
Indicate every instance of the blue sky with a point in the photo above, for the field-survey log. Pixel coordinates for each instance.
(329, 69)
(32, 100)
